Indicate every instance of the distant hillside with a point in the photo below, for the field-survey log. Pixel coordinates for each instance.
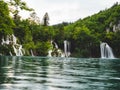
(108, 19)
(87, 33)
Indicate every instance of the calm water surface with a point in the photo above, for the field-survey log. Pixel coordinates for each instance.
(42, 73)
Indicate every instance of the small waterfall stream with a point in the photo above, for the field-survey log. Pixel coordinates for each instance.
(67, 48)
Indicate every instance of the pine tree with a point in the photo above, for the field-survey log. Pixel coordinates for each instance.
(46, 19)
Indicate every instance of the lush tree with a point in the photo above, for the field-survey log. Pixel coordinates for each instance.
(16, 6)
(6, 23)
(34, 19)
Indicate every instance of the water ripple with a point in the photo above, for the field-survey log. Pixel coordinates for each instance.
(36, 73)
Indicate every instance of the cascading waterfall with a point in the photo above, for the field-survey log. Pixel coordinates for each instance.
(55, 51)
(7, 41)
(67, 48)
(54, 44)
(18, 49)
(12, 40)
(106, 51)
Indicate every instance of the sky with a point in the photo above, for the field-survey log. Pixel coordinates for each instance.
(67, 10)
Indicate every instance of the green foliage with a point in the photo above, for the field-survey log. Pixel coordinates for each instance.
(18, 5)
(41, 33)
(42, 48)
(115, 43)
(6, 23)
(22, 31)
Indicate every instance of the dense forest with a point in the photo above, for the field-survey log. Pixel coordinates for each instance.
(84, 35)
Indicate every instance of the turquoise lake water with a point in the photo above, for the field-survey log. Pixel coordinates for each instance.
(43, 73)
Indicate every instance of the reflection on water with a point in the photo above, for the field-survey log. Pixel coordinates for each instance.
(42, 73)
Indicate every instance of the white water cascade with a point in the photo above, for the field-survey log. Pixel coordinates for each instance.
(67, 48)
(54, 44)
(106, 51)
(31, 53)
(12, 40)
(55, 51)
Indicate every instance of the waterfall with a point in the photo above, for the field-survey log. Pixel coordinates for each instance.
(50, 53)
(106, 51)
(18, 50)
(67, 48)
(17, 47)
(12, 40)
(31, 52)
(54, 44)
(54, 50)
(7, 41)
